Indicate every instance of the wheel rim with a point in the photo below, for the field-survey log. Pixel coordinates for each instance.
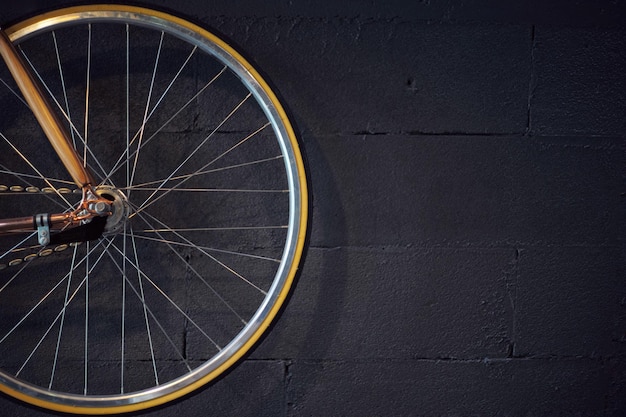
(293, 233)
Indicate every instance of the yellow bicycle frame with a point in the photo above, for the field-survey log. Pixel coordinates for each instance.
(57, 134)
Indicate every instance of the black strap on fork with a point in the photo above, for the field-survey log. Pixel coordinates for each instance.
(42, 224)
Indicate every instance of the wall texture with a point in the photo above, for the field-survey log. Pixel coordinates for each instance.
(467, 245)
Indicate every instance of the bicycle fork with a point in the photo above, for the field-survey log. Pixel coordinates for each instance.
(92, 205)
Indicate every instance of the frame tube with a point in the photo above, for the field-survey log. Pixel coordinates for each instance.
(54, 129)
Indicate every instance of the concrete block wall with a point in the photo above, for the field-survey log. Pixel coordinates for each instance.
(467, 245)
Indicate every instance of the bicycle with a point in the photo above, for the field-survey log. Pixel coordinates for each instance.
(152, 252)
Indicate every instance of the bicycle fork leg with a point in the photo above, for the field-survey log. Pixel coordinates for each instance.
(54, 129)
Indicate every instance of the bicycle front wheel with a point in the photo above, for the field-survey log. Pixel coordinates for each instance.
(207, 182)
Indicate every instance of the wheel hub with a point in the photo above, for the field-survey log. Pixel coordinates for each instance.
(120, 208)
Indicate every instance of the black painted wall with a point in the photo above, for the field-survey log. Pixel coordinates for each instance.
(467, 249)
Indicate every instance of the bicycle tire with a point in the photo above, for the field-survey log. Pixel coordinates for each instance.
(213, 199)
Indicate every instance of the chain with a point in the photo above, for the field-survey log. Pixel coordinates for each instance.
(15, 189)
(40, 254)
(5, 189)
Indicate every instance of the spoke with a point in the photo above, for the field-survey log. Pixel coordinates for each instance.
(127, 150)
(180, 70)
(14, 92)
(14, 249)
(172, 302)
(233, 111)
(212, 229)
(86, 123)
(196, 273)
(34, 350)
(73, 129)
(191, 245)
(145, 114)
(146, 118)
(203, 251)
(45, 296)
(123, 336)
(19, 175)
(67, 105)
(41, 176)
(120, 161)
(23, 193)
(145, 311)
(208, 171)
(65, 303)
(19, 271)
(145, 203)
(213, 190)
(60, 315)
(123, 325)
(86, 314)
(147, 308)
(47, 195)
